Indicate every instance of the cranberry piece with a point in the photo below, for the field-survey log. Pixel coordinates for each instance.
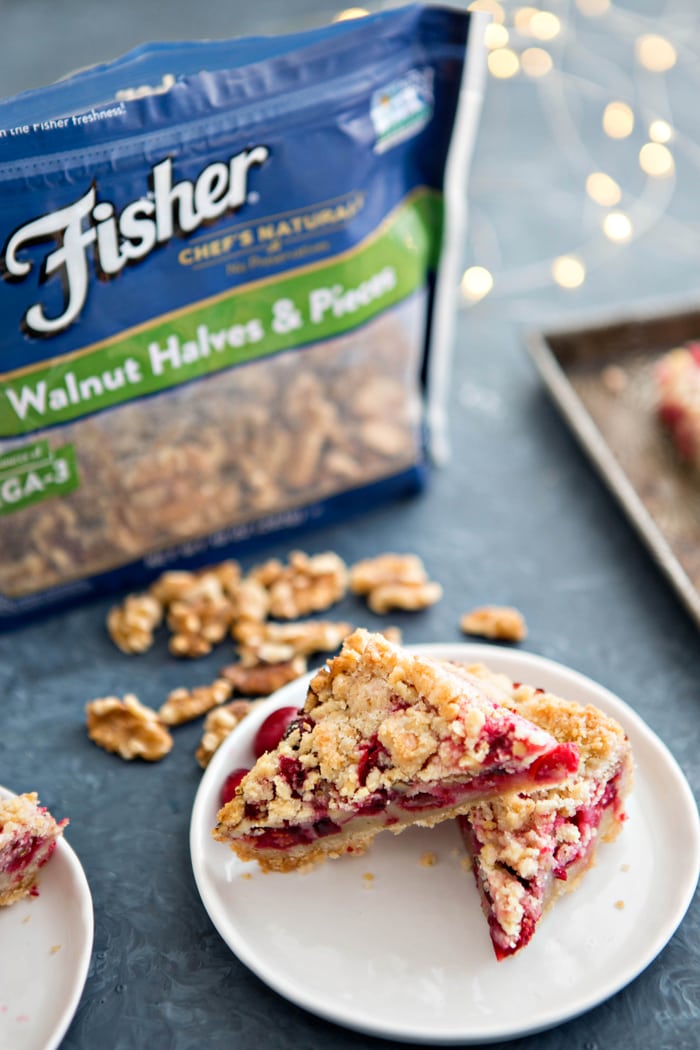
(557, 764)
(294, 773)
(273, 729)
(228, 788)
(372, 757)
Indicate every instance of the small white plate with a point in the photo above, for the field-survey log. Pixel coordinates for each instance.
(389, 946)
(45, 949)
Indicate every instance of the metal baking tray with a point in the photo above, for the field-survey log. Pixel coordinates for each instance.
(601, 377)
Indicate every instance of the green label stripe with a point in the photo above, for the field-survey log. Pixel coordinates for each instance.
(307, 306)
(23, 458)
(36, 479)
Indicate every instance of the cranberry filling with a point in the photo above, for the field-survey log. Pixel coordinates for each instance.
(295, 835)
(556, 765)
(228, 788)
(293, 772)
(273, 729)
(20, 854)
(372, 757)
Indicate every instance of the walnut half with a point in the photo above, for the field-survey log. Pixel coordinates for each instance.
(501, 622)
(127, 728)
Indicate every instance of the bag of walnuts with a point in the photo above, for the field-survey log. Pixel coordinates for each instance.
(228, 273)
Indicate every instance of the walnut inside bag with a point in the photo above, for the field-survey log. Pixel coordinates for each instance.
(265, 437)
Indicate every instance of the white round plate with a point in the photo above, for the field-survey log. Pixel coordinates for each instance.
(388, 945)
(45, 949)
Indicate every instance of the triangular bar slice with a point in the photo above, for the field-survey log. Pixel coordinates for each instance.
(28, 838)
(386, 739)
(529, 847)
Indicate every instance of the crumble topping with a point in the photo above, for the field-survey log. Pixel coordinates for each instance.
(378, 719)
(521, 841)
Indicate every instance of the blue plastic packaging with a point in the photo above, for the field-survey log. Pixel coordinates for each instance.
(227, 281)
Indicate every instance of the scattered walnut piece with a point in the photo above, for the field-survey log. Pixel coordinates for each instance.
(392, 634)
(170, 586)
(228, 573)
(495, 621)
(127, 728)
(263, 679)
(305, 585)
(250, 600)
(200, 618)
(386, 568)
(182, 705)
(394, 581)
(191, 645)
(217, 726)
(273, 643)
(428, 859)
(408, 596)
(131, 624)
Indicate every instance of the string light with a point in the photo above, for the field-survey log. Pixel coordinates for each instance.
(655, 53)
(536, 62)
(603, 189)
(593, 8)
(495, 35)
(618, 227)
(656, 160)
(522, 19)
(503, 63)
(569, 271)
(660, 131)
(476, 283)
(618, 120)
(517, 41)
(545, 26)
(492, 7)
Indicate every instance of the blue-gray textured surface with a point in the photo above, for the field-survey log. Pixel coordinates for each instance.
(518, 515)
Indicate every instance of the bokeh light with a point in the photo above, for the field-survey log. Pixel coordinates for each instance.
(656, 160)
(476, 283)
(544, 25)
(492, 6)
(617, 226)
(618, 120)
(503, 63)
(660, 131)
(603, 189)
(569, 271)
(655, 53)
(495, 35)
(593, 8)
(523, 18)
(536, 62)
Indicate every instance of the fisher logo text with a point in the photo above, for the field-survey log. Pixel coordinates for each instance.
(171, 208)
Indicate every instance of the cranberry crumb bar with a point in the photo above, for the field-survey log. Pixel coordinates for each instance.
(677, 377)
(28, 837)
(385, 739)
(528, 847)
